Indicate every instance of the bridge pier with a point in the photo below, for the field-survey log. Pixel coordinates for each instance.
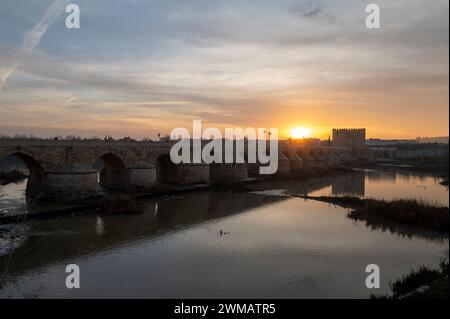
(71, 184)
(308, 162)
(228, 173)
(332, 162)
(296, 164)
(284, 166)
(346, 159)
(321, 162)
(191, 174)
(35, 185)
(291, 165)
(142, 176)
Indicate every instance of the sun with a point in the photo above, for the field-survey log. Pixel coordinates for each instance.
(300, 132)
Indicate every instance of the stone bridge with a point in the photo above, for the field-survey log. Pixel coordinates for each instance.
(74, 170)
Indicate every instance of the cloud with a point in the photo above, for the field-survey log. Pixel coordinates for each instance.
(32, 38)
(307, 11)
(228, 62)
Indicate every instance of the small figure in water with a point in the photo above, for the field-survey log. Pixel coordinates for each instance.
(223, 233)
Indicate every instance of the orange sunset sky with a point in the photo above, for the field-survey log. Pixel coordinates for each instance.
(139, 68)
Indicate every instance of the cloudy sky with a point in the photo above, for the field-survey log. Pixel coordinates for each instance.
(139, 67)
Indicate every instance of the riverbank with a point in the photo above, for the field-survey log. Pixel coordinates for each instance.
(424, 283)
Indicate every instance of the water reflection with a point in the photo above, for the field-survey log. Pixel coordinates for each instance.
(90, 233)
(383, 184)
(100, 226)
(275, 246)
(349, 185)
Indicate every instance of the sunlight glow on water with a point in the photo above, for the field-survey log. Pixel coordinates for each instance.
(387, 185)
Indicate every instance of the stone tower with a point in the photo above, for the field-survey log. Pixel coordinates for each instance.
(352, 138)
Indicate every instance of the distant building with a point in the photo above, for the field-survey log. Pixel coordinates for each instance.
(165, 138)
(440, 139)
(420, 140)
(352, 138)
(305, 141)
(376, 142)
(412, 152)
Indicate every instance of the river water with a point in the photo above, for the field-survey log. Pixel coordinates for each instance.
(205, 244)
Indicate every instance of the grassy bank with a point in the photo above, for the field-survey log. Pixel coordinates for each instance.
(11, 177)
(402, 212)
(424, 283)
(405, 212)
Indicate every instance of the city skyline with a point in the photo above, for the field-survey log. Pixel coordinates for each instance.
(290, 64)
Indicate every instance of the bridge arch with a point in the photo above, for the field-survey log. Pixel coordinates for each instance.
(112, 171)
(36, 175)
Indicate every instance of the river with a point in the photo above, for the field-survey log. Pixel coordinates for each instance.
(209, 244)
